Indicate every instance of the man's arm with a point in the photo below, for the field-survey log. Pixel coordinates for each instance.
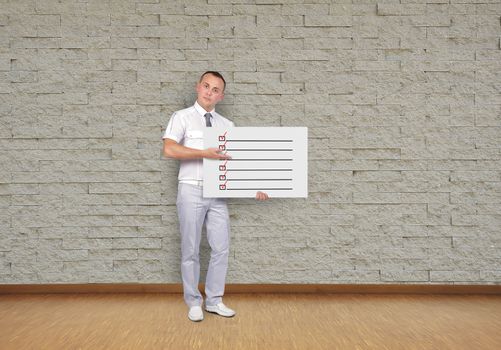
(172, 149)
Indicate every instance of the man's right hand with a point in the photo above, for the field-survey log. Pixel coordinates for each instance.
(214, 153)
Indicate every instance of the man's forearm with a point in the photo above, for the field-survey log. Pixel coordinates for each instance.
(177, 151)
(174, 150)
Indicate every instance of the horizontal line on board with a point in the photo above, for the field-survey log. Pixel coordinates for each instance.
(289, 160)
(258, 169)
(258, 188)
(259, 149)
(259, 180)
(258, 140)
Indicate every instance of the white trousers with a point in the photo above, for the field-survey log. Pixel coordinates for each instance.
(193, 211)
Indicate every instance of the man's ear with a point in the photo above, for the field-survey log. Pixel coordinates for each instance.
(222, 96)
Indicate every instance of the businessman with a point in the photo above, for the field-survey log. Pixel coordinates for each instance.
(183, 140)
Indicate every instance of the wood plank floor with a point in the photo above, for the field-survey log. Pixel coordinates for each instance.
(263, 321)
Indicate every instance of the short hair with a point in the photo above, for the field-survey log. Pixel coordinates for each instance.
(216, 74)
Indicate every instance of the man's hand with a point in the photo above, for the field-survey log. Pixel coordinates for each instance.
(214, 153)
(261, 196)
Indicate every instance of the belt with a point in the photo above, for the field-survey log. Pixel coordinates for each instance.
(192, 182)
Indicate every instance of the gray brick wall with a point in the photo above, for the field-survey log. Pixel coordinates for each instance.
(402, 100)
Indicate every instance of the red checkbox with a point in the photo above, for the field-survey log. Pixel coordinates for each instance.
(222, 187)
(222, 177)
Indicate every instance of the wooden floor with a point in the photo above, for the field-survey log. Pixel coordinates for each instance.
(263, 321)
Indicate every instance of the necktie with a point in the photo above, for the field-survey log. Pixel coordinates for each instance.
(207, 119)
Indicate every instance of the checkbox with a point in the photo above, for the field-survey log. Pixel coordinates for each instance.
(222, 177)
(222, 167)
(222, 147)
(222, 187)
(222, 138)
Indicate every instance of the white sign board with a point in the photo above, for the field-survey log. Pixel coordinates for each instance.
(268, 159)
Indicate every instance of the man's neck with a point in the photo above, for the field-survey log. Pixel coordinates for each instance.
(208, 109)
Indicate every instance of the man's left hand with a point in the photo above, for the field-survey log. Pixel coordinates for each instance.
(261, 196)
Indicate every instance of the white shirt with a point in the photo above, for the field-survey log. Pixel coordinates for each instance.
(186, 127)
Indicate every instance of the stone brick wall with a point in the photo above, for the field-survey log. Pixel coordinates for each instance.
(402, 100)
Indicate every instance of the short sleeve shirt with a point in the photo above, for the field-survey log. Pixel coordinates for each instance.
(186, 127)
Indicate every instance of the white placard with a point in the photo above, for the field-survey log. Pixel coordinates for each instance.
(268, 159)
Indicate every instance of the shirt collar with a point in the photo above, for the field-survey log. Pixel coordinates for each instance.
(202, 111)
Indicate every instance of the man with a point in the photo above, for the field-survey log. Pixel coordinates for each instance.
(183, 139)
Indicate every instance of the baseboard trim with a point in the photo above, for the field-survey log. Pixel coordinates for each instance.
(255, 288)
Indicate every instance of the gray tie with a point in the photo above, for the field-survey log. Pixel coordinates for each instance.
(207, 119)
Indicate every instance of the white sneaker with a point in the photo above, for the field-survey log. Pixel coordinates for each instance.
(196, 314)
(221, 310)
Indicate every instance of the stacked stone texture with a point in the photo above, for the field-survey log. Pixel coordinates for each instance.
(402, 100)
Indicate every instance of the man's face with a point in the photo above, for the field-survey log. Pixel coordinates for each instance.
(210, 91)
